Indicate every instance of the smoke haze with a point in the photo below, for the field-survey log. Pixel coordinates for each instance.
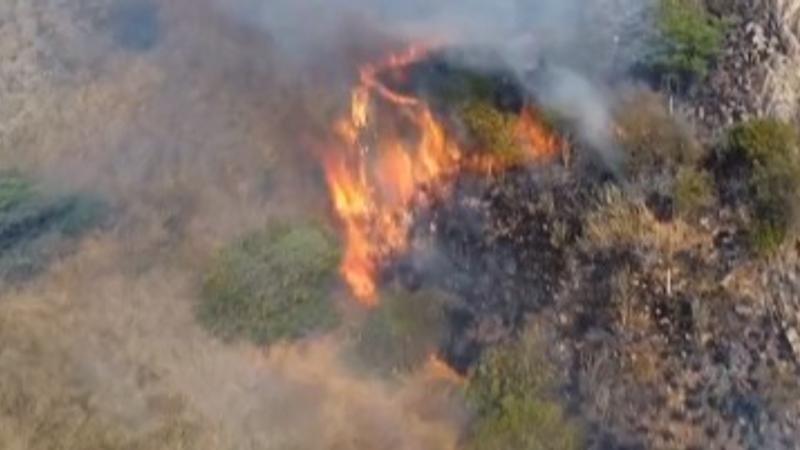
(576, 42)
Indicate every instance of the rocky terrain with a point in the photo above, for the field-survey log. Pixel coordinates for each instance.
(758, 77)
(757, 74)
(667, 339)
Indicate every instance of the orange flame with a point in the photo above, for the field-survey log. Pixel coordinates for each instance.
(438, 369)
(540, 143)
(382, 163)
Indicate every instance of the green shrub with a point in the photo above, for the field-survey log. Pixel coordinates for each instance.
(403, 332)
(512, 392)
(693, 191)
(272, 285)
(767, 237)
(689, 39)
(764, 141)
(770, 148)
(35, 225)
(651, 139)
(493, 131)
(13, 190)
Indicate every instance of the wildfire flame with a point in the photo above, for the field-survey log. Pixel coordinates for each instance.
(438, 369)
(384, 162)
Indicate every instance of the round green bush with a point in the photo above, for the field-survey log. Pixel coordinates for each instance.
(689, 40)
(272, 285)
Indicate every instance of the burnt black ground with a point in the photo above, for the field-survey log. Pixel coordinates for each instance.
(501, 251)
(702, 366)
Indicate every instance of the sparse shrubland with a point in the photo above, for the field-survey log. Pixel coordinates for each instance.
(769, 149)
(663, 329)
(652, 140)
(619, 222)
(513, 392)
(403, 332)
(662, 152)
(272, 285)
(693, 191)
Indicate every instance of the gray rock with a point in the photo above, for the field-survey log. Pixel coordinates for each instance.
(793, 337)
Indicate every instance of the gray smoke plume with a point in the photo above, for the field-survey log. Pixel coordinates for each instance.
(576, 42)
(564, 29)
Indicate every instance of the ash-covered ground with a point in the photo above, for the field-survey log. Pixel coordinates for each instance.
(659, 346)
(658, 342)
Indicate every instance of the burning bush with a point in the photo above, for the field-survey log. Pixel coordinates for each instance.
(769, 149)
(403, 332)
(272, 285)
(493, 131)
(415, 153)
(34, 225)
(512, 391)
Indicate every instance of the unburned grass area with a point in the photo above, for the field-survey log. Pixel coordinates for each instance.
(272, 285)
(513, 391)
(401, 333)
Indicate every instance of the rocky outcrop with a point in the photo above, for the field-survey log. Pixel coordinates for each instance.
(780, 93)
(758, 73)
(782, 293)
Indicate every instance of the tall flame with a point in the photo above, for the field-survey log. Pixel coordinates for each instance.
(382, 164)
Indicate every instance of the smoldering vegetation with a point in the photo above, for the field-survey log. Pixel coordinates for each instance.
(174, 281)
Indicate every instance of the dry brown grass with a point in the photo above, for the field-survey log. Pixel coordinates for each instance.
(632, 317)
(623, 220)
(45, 403)
(98, 356)
(102, 351)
